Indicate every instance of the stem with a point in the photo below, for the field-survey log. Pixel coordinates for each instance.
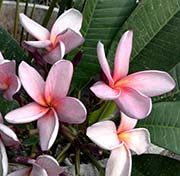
(49, 13)
(16, 19)
(22, 31)
(66, 132)
(95, 162)
(63, 153)
(1, 1)
(77, 161)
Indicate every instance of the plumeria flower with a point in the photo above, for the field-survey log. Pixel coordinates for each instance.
(131, 93)
(44, 165)
(64, 36)
(7, 138)
(119, 141)
(50, 101)
(9, 82)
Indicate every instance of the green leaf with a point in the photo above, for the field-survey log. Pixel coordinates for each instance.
(105, 111)
(10, 48)
(164, 125)
(101, 21)
(156, 43)
(155, 165)
(33, 140)
(7, 106)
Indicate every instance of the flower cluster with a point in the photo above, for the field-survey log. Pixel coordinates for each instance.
(52, 106)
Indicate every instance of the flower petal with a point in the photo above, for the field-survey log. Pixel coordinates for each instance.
(103, 62)
(133, 103)
(32, 82)
(104, 134)
(123, 52)
(35, 29)
(1, 58)
(137, 139)
(58, 81)
(48, 126)
(38, 171)
(8, 136)
(71, 39)
(71, 18)
(27, 113)
(14, 85)
(119, 163)
(49, 164)
(21, 172)
(150, 83)
(71, 110)
(3, 160)
(39, 44)
(126, 123)
(56, 54)
(102, 90)
(1, 118)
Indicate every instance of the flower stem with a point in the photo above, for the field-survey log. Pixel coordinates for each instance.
(63, 153)
(66, 132)
(77, 161)
(49, 13)
(16, 20)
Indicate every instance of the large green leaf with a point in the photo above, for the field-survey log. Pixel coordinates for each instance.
(155, 165)
(10, 48)
(101, 21)
(164, 125)
(156, 43)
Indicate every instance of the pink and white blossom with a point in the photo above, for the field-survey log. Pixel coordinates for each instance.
(119, 141)
(7, 138)
(51, 102)
(9, 82)
(44, 165)
(64, 36)
(131, 93)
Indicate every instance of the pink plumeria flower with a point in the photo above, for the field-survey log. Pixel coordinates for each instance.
(131, 93)
(44, 165)
(50, 101)
(120, 142)
(64, 36)
(7, 138)
(9, 82)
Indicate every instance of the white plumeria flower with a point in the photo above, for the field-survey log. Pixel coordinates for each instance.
(64, 36)
(120, 141)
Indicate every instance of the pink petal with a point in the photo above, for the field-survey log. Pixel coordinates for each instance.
(1, 57)
(48, 126)
(8, 136)
(126, 123)
(150, 83)
(103, 62)
(71, 110)
(35, 29)
(32, 82)
(133, 103)
(3, 160)
(27, 113)
(56, 54)
(49, 164)
(14, 85)
(58, 81)
(104, 134)
(119, 163)
(103, 91)
(123, 52)
(38, 171)
(8, 67)
(21, 172)
(71, 40)
(39, 44)
(137, 139)
(71, 18)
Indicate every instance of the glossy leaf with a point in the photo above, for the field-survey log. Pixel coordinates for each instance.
(155, 165)
(105, 111)
(164, 125)
(10, 48)
(101, 21)
(156, 42)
